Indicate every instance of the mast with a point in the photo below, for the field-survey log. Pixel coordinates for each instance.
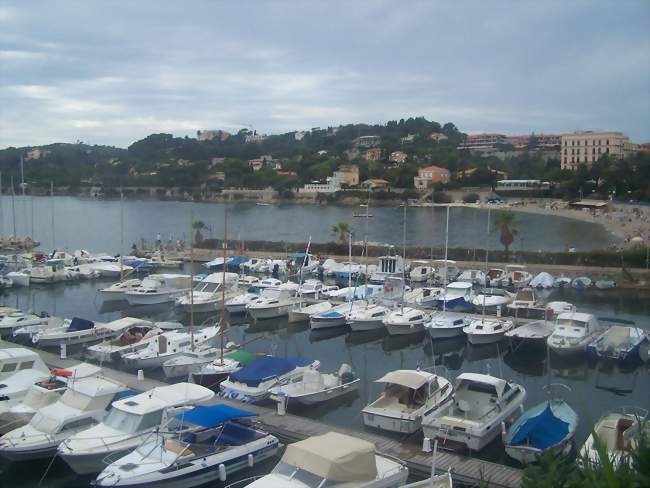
(223, 280)
(444, 301)
(2, 216)
(350, 261)
(433, 217)
(403, 257)
(365, 246)
(52, 202)
(487, 252)
(191, 280)
(121, 234)
(13, 205)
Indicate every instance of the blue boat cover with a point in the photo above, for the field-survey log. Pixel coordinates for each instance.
(331, 314)
(120, 395)
(542, 431)
(80, 324)
(267, 367)
(213, 415)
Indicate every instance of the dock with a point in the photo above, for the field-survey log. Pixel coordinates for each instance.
(291, 428)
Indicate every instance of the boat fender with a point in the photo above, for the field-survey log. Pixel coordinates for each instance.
(222, 472)
(65, 373)
(251, 461)
(503, 430)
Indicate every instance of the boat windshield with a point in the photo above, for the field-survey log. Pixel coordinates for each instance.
(133, 422)
(207, 287)
(294, 473)
(571, 323)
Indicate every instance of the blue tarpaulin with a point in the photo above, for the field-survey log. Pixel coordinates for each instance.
(542, 431)
(80, 324)
(332, 314)
(213, 415)
(120, 395)
(267, 367)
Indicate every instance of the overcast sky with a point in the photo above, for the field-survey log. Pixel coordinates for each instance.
(113, 72)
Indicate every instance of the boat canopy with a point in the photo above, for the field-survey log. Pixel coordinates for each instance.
(80, 324)
(267, 367)
(164, 397)
(213, 415)
(498, 383)
(543, 430)
(335, 457)
(405, 377)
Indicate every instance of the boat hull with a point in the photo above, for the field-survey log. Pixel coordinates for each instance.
(320, 323)
(268, 312)
(361, 325)
(29, 454)
(485, 338)
(403, 329)
(152, 298)
(445, 332)
(84, 464)
(455, 304)
(325, 395)
(392, 424)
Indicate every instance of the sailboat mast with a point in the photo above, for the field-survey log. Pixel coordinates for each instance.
(350, 261)
(365, 244)
(121, 234)
(13, 206)
(433, 217)
(191, 280)
(403, 256)
(487, 253)
(2, 216)
(223, 281)
(52, 202)
(444, 302)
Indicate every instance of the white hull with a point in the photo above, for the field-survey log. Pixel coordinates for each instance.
(326, 323)
(85, 464)
(149, 362)
(393, 424)
(324, 395)
(153, 298)
(361, 325)
(485, 338)
(445, 332)
(203, 307)
(269, 313)
(112, 295)
(529, 455)
(399, 329)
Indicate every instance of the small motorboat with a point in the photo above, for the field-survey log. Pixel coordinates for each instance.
(21, 368)
(368, 318)
(159, 288)
(301, 312)
(19, 278)
(315, 387)
(421, 271)
(533, 333)
(182, 365)
(487, 330)
(207, 294)
(605, 284)
(117, 291)
(129, 422)
(213, 373)
(408, 395)
(334, 459)
(458, 297)
(472, 276)
(239, 303)
(424, 296)
(542, 280)
(405, 320)
(562, 282)
(446, 271)
(526, 304)
(253, 383)
(581, 282)
(494, 276)
(621, 343)
(573, 332)
(336, 316)
(547, 427)
(444, 325)
(272, 303)
(558, 307)
(492, 299)
(210, 437)
(481, 403)
(620, 432)
(15, 320)
(82, 331)
(516, 276)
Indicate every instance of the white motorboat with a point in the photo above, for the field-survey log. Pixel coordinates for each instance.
(562, 282)
(336, 316)
(387, 266)
(253, 383)
(444, 325)
(15, 320)
(207, 294)
(266, 283)
(271, 303)
(159, 288)
(19, 278)
(421, 271)
(494, 276)
(238, 304)
(303, 262)
(526, 304)
(458, 297)
(315, 387)
(211, 446)
(492, 299)
(623, 343)
(82, 331)
(48, 273)
(368, 318)
(133, 338)
(129, 422)
(516, 276)
(117, 291)
(349, 270)
(84, 404)
(405, 320)
(350, 293)
(446, 271)
(472, 276)
(301, 311)
(109, 269)
(159, 261)
(423, 297)
(620, 431)
(603, 284)
(408, 394)
(542, 280)
(481, 403)
(487, 330)
(38, 395)
(84, 271)
(558, 307)
(13, 359)
(313, 289)
(212, 374)
(573, 332)
(333, 459)
(581, 282)
(23, 335)
(182, 365)
(532, 333)
(167, 346)
(21, 368)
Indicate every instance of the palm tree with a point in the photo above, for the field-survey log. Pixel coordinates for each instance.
(343, 230)
(506, 224)
(198, 226)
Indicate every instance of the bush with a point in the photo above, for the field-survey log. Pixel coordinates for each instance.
(471, 198)
(441, 197)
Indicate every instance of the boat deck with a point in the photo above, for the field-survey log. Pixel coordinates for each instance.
(291, 428)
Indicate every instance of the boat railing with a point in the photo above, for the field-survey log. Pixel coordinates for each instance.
(632, 410)
(243, 482)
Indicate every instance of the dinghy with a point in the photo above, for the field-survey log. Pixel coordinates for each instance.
(316, 387)
(621, 343)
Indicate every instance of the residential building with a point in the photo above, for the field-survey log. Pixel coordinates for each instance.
(254, 137)
(217, 176)
(375, 184)
(408, 139)
(209, 135)
(347, 174)
(264, 160)
(482, 141)
(588, 146)
(367, 141)
(331, 186)
(299, 136)
(322, 152)
(469, 172)
(645, 147)
(397, 157)
(286, 173)
(429, 176)
(256, 164)
(438, 136)
(215, 161)
(542, 141)
(373, 154)
(36, 153)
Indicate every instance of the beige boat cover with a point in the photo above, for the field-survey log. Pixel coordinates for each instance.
(405, 377)
(334, 456)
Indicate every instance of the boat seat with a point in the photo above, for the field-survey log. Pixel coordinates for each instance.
(173, 446)
(621, 426)
(464, 406)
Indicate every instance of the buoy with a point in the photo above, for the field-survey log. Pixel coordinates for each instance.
(65, 373)
(222, 472)
(251, 461)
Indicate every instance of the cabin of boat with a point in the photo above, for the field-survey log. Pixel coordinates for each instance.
(18, 359)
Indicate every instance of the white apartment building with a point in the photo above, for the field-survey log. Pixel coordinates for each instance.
(588, 146)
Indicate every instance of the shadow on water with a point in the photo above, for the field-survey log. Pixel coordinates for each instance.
(319, 410)
(397, 342)
(366, 336)
(481, 352)
(569, 367)
(325, 334)
(531, 362)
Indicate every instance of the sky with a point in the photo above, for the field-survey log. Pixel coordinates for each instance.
(113, 72)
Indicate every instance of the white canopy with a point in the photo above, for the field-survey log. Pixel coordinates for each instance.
(498, 383)
(164, 397)
(406, 377)
(334, 456)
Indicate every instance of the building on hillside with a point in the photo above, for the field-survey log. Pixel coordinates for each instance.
(255, 137)
(375, 184)
(429, 176)
(322, 152)
(588, 146)
(469, 172)
(367, 141)
(299, 135)
(217, 176)
(256, 164)
(209, 135)
(541, 141)
(37, 153)
(286, 173)
(373, 154)
(438, 136)
(397, 157)
(332, 186)
(482, 141)
(409, 138)
(645, 147)
(347, 174)
(216, 161)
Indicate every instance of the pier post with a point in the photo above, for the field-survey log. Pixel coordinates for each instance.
(140, 375)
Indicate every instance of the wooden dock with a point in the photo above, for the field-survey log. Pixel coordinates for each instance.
(290, 428)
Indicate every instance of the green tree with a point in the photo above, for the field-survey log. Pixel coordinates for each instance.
(506, 224)
(198, 226)
(342, 229)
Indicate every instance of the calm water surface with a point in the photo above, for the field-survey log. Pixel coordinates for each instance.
(595, 388)
(95, 224)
